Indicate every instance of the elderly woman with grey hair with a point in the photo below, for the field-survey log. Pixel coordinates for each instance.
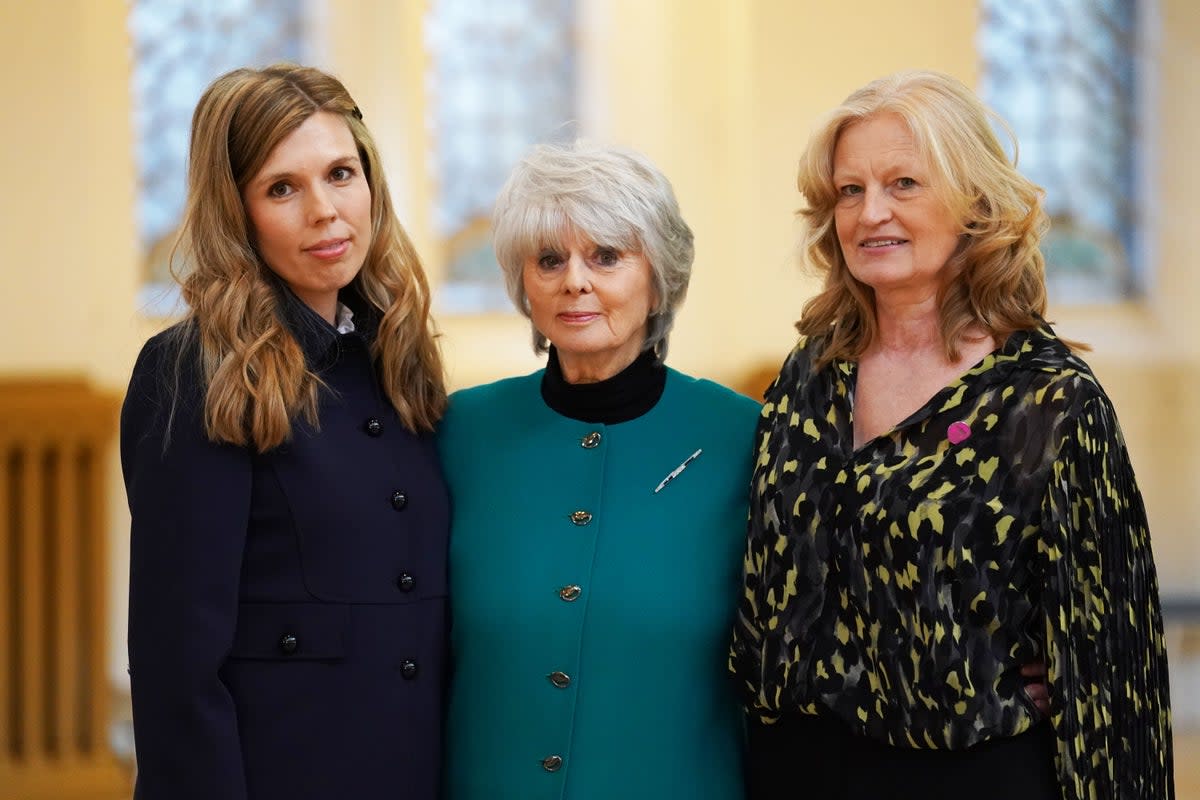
(599, 506)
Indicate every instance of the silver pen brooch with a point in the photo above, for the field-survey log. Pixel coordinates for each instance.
(673, 474)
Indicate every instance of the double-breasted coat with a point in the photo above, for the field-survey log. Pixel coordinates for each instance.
(287, 614)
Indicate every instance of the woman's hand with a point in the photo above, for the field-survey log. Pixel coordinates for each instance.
(1033, 675)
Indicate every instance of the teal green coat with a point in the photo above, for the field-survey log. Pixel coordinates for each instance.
(591, 615)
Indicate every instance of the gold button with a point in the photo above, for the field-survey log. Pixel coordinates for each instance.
(591, 440)
(560, 679)
(581, 517)
(551, 763)
(570, 593)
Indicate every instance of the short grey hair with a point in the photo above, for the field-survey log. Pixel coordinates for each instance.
(615, 197)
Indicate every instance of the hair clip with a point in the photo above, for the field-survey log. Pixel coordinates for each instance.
(357, 114)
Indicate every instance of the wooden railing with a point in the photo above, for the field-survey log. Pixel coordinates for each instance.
(54, 694)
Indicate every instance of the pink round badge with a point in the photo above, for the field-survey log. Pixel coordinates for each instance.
(958, 432)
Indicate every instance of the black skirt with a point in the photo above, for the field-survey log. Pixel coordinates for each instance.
(818, 758)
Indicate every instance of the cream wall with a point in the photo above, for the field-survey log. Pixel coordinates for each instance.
(69, 279)
(721, 94)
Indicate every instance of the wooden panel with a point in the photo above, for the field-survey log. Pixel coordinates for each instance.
(9, 459)
(31, 623)
(86, 781)
(54, 692)
(67, 668)
(94, 737)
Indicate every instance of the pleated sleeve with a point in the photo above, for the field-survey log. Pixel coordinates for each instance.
(1106, 654)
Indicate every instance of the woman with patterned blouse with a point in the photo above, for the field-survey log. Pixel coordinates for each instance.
(942, 495)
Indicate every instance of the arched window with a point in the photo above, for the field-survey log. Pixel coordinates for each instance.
(502, 78)
(1063, 73)
(178, 49)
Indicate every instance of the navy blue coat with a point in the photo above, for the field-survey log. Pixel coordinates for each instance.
(287, 612)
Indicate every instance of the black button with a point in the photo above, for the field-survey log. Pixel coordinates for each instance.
(373, 427)
(399, 500)
(570, 593)
(408, 669)
(590, 441)
(288, 644)
(552, 763)
(561, 680)
(406, 582)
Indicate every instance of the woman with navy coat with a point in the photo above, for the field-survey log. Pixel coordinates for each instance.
(287, 620)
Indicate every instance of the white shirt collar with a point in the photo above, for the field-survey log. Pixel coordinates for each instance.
(344, 319)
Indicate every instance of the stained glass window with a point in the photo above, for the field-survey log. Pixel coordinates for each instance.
(178, 49)
(502, 78)
(1063, 74)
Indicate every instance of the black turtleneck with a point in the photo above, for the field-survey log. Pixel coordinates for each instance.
(627, 395)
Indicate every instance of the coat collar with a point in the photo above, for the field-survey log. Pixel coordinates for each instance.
(319, 340)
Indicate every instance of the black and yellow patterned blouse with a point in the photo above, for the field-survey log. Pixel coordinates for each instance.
(903, 585)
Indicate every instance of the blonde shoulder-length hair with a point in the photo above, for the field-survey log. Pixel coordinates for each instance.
(256, 381)
(995, 281)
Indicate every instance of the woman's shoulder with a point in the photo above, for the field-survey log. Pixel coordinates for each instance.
(473, 414)
(710, 394)
(805, 352)
(166, 388)
(1052, 370)
(503, 390)
(482, 404)
(709, 400)
(799, 367)
(163, 349)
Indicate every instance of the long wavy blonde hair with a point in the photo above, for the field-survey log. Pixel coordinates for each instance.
(995, 281)
(255, 377)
